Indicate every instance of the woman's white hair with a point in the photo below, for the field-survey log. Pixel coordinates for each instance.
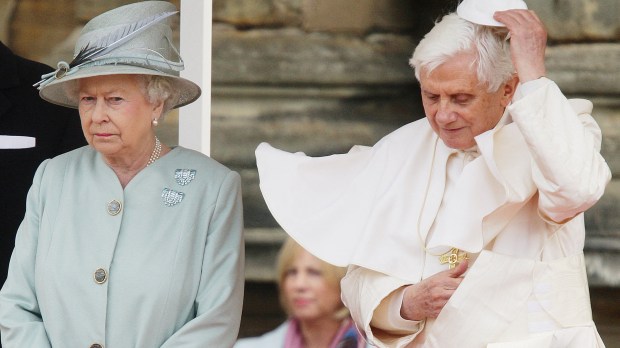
(453, 35)
(154, 87)
(158, 88)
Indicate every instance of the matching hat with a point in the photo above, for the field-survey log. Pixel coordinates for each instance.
(131, 39)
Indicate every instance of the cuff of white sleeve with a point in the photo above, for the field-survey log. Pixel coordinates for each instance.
(524, 89)
(387, 315)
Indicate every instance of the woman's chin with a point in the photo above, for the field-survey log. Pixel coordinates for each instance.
(305, 315)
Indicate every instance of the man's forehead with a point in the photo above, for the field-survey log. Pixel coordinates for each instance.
(444, 82)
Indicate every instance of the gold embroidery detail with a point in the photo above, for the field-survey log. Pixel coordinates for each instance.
(453, 258)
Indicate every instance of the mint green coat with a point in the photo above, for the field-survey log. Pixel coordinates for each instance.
(170, 275)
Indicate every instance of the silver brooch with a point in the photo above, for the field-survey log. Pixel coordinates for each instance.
(171, 197)
(184, 176)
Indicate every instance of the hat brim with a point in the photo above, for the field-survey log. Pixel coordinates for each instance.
(56, 91)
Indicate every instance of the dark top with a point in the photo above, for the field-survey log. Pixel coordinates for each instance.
(23, 113)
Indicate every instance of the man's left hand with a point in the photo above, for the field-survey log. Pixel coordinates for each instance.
(528, 40)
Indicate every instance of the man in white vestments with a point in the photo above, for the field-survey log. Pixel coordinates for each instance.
(463, 229)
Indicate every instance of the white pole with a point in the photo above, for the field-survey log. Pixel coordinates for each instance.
(195, 118)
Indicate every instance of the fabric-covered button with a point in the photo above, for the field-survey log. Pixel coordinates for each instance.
(114, 207)
(100, 276)
(96, 345)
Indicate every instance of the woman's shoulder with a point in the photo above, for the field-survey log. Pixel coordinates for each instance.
(75, 154)
(271, 339)
(61, 162)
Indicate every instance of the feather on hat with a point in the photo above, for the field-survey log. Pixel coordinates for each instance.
(131, 39)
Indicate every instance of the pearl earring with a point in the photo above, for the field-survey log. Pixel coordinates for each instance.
(155, 122)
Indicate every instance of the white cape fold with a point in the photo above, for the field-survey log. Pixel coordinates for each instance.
(365, 207)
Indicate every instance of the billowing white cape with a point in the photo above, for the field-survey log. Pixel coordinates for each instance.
(363, 207)
(374, 206)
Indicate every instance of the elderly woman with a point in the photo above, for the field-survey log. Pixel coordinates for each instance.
(126, 242)
(310, 295)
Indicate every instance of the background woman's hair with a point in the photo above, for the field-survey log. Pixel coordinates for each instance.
(286, 257)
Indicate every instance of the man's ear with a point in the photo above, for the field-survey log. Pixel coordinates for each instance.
(509, 89)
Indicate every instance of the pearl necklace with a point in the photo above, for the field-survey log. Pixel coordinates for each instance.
(156, 152)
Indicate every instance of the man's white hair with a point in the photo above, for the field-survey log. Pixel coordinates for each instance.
(453, 35)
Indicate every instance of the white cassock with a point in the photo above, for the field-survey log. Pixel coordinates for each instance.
(514, 203)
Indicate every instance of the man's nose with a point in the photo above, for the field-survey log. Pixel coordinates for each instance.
(445, 112)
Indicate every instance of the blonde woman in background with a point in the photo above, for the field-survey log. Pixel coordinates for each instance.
(310, 295)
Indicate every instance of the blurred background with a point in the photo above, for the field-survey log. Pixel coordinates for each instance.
(319, 76)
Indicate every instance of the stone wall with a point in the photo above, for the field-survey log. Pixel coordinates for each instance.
(321, 75)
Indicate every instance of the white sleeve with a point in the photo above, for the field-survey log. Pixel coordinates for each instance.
(374, 301)
(387, 315)
(565, 142)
